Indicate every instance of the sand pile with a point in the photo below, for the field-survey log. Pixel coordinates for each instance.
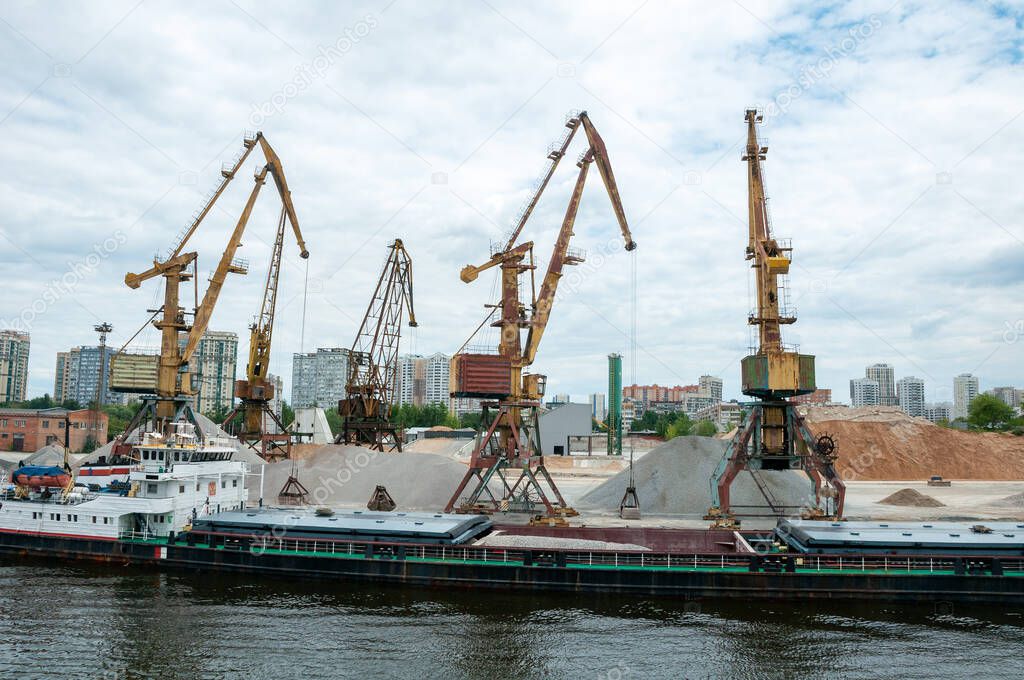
(911, 498)
(346, 476)
(500, 540)
(442, 445)
(1014, 501)
(673, 479)
(882, 442)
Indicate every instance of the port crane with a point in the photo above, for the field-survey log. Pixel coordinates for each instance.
(508, 451)
(772, 434)
(255, 392)
(167, 376)
(373, 359)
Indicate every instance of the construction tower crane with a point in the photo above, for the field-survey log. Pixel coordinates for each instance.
(167, 376)
(373, 360)
(508, 450)
(256, 391)
(773, 435)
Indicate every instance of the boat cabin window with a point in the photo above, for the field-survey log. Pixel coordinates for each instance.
(150, 489)
(181, 488)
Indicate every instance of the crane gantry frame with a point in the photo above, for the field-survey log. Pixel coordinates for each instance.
(773, 435)
(373, 359)
(509, 436)
(172, 388)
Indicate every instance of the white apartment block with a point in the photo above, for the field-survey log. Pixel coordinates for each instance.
(885, 376)
(910, 393)
(864, 392)
(319, 378)
(14, 347)
(965, 389)
(213, 368)
(423, 380)
(711, 386)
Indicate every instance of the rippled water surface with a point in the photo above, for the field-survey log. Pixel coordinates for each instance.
(68, 621)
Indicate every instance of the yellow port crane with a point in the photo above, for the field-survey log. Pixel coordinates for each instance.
(167, 376)
(256, 391)
(773, 435)
(509, 438)
(373, 360)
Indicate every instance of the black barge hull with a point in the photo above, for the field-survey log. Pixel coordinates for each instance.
(743, 576)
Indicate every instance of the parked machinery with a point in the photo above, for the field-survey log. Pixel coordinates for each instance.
(373, 360)
(508, 451)
(772, 435)
(167, 376)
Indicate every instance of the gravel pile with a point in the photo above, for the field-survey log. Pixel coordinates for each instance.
(499, 540)
(346, 476)
(911, 498)
(673, 479)
(1014, 501)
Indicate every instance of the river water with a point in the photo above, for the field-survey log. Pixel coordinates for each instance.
(71, 621)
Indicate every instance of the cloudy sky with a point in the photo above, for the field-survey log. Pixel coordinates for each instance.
(896, 134)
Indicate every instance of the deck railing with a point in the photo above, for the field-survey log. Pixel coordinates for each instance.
(760, 562)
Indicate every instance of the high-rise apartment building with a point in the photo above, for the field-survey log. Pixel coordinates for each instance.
(319, 378)
(213, 367)
(885, 376)
(965, 389)
(598, 409)
(910, 393)
(864, 392)
(81, 373)
(14, 347)
(1008, 395)
(423, 380)
(711, 386)
(61, 375)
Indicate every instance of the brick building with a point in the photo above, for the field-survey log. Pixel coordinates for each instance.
(28, 429)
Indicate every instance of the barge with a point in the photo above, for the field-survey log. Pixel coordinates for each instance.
(184, 508)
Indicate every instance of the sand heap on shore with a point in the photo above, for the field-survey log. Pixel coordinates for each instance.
(673, 479)
(911, 498)
(346, 476)
(882, 443)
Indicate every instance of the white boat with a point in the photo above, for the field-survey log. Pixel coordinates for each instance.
(173, 479)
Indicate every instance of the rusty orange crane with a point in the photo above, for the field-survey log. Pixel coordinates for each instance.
(168, 376)
(773, 435)
(508, 450)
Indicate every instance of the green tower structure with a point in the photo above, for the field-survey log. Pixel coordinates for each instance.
(614, 405)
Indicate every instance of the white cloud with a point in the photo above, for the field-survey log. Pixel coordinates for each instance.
(890, 264)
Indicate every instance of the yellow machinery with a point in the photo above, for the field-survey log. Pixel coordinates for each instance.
(773, 436)
(255, 392)
(509, 435)
(167, 376)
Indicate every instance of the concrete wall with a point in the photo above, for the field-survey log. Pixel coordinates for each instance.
(567, 420)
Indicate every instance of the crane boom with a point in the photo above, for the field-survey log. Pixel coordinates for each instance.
(373, 358)
(262, 330)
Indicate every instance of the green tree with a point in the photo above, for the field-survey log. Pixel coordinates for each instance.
(334, 420)
(287, 413)
(705, 428)
(471, 420)
(989, 412)
(119, 415)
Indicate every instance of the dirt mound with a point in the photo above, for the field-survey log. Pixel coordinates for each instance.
(911, 498)
(1014, 501)
(673, 479)
(346, 476)
(882, 442)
